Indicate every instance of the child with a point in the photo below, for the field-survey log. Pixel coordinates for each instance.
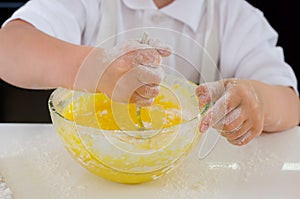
(46, 43)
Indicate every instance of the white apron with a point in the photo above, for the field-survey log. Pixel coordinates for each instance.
(209, 67)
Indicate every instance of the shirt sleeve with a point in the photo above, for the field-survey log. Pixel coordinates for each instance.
(68, 20)
(248, 47)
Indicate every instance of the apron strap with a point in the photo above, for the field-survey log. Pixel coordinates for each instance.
(109, 22)
(210, 57)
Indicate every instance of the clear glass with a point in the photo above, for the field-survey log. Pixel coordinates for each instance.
(119, 156)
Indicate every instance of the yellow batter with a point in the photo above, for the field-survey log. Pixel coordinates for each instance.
(98, 111)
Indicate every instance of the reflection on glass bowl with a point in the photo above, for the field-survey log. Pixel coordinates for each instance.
(119, 155)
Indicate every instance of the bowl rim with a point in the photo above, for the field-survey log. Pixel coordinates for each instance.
(165, 169)
(53, 109)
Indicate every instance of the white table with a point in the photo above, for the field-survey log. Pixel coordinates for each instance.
(36, 165)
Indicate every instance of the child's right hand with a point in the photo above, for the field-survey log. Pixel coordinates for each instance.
(129, 72)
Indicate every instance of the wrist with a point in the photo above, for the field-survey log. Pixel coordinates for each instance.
(90, 64)
(263, 96)
(74, 60)
(280, 106)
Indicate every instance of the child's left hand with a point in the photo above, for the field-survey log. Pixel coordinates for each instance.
(238, 111)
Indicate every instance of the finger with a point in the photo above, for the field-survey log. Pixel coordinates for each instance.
(134, 53)
(149, 75)
(231, 121)
(134, 79)
(127, 47)
(126, 85)
(244, 139)
(163, 49)
(210, 92)
(148, 57)
(238, 132)
(141, 101)
(247, 136)
(148, 91)
(205, 123)
(220, 109)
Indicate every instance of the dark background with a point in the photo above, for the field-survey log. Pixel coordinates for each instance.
(21, 105)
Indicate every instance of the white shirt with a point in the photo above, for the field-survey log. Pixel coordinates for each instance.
(247, 42)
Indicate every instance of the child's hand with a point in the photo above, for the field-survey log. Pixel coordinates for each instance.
(130, 71)
(238, 111)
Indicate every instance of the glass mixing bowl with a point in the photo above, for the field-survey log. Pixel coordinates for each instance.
(118, 155)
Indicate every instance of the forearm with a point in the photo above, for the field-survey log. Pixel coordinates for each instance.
(32, 59)
(281, 106)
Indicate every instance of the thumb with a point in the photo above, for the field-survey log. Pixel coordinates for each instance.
(163, 49)
(211, 91)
